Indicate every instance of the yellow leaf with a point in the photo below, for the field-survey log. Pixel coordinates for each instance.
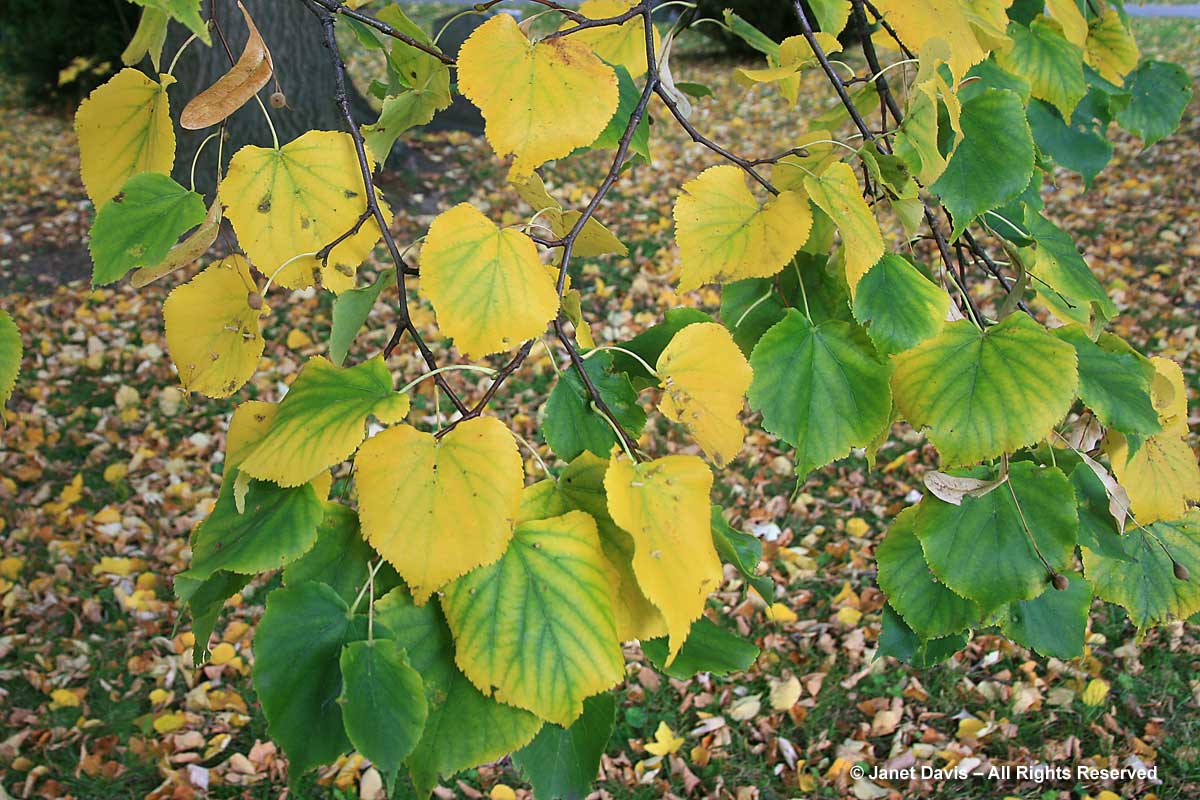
(724, 235)
(168, 722)
(297, 339)
(502, 792)
(250, 422)
(287, 204)
(593, 240)
(487, 285)
(115, 473)
(213, 331)
(778, 612)
(223, 653)
(665, 741)
(664, 505)
(124, 128)
(849, 616)
(1160, 477)
(1169, 395)
(706, 377)
(623, 44)
(918, 21)
(969, 727)
(795, 55)
(1110, 47)
(785, 693)
(110, 565)
(836, 192)
(857, 526)
(10, 567)
(64, 698)
(1066, 13)
(540, 101)
(455, 507)
(159, 696)
(1095, 693)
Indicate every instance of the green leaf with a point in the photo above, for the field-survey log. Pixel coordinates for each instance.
(186, 12)
(1052, 65)
(650, 343)
(322, 420)
(463, 728)
(750, 307)
(1081, 146)
(709, 648)
(570, 424)
(138, 227)
(982, 394)
(696, 90)
(553, 585)
(628, 97)
(1160, 92)
(383, 702)
(929, 608)
(1054, 623)
(297, 674)
(822, 388)
(989, 75)
(1115, 385)
(981, 549)
(1147, 588)
(350, 311)
(563, 762)
(897, 640)
(1097, 529)
(340, 558)
(277, 526)
(743, 551)
(900, 307)
(993, 162)
(10, 358)
(205, 599)
(751, 35)
(1062, 278)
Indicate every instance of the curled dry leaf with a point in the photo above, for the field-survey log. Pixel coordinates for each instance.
(233, 89)
(186, 252)
(953, 488)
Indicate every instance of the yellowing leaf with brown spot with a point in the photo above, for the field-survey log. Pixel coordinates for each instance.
(540, 101)
(664, 505)
(623, 44)
(487, 285)
(287, 204)
(917, 21)
(724, 235)
(1160, 478)
(705, 378)
(124, 128)
(436, 509)
(233, 89)
(213, 335)
(836, 192)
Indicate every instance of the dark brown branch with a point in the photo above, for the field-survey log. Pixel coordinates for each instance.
(336, 7)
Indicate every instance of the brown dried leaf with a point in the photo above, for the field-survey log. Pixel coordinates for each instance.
(233, 89)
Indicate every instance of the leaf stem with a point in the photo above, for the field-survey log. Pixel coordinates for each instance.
(448, 368)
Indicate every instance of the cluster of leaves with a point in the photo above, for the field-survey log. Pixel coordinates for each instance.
(538, 586)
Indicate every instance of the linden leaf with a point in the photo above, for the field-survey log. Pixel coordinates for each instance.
(214, 335)
(570, 425)
(10, 358)
(990, 548)
(918, 21)
(1054, 623)
(148, 39)
(1052, 65)
(926, 605)
(623, 44)
(487, 285)
(322, 420)
(455, 506)
(552, 584)
(186, 12)
(1149, 588)
(1161, 477)
(900, 307)
(1115, 385)
(663, 504)
(594, 239)
(124, 128)
(985, 393)
(340, 558)
(383, 701)
(1110, 47)
(1067, 14)
(1169, 394)
(705, 378)
(821, 388)
(724, 235)
(249, 424)
(140, 225)
(186, 252)
(564, 762)
(540, 100)
(836, 192)
(235, 88)
(287, 204)
(1159, 94)
(1064, 281)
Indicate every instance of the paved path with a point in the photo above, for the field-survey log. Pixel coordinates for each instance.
(1157, 10)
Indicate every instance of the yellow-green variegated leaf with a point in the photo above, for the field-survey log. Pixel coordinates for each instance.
(705, 378)
(1161, 476)
(10, 358)
(624, 44)
(918, 21)
(538, 624)
(724, 235)
(214, 335)
(487, 285)
(540, 101)
(982, 394)
(124, 128)
(436, 509)
(1067, 14)
(287, 204)
(836, 192)
(594, 239)
(663, 505)
(1169, 395)
(322, 420)
(1110, 48)
(250, 422)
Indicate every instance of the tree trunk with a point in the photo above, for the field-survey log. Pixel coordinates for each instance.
(302, 68)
